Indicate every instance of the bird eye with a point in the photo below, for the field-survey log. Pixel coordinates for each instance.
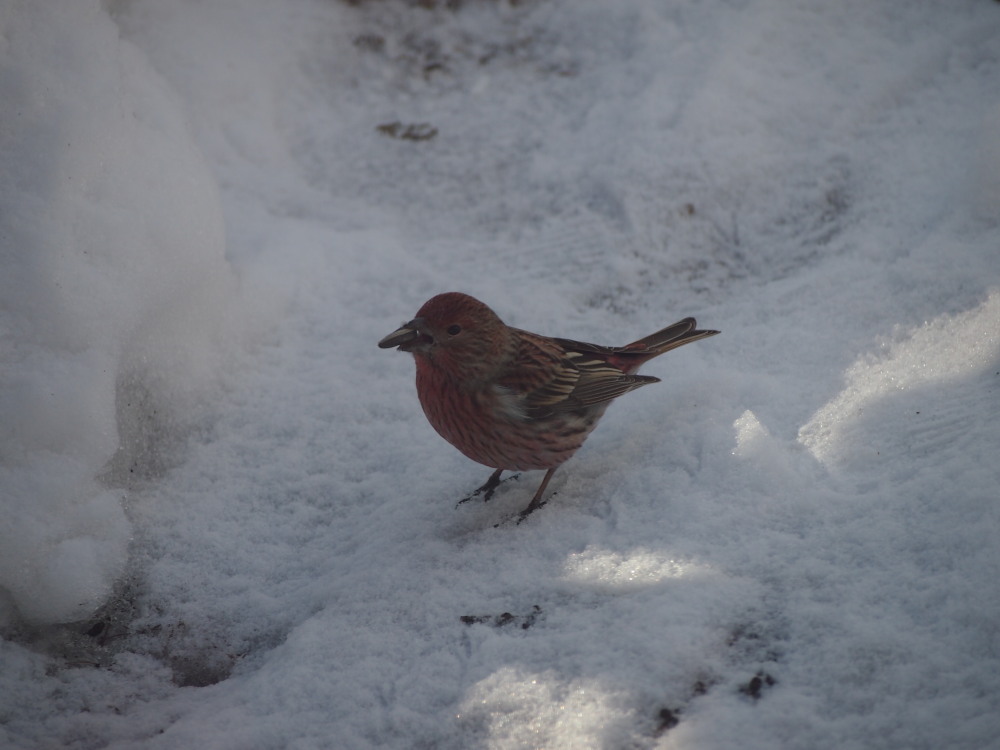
(454, 330)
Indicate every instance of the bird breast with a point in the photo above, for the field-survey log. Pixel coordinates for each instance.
(489, 424)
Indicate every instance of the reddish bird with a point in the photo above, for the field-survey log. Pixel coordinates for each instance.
(515, 400)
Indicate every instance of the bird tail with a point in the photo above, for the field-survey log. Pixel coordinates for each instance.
(630, 357)
(680, 333)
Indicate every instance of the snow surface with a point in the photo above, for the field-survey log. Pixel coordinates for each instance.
(226, 522)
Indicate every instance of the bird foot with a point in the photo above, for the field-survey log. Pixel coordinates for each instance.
(489, 488)
(534, 505)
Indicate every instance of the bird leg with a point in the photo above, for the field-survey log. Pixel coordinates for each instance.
(536, 501)
(489, 488)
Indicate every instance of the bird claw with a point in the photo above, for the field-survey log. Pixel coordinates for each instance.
(534, 505)
(527, 512)
(489, 488)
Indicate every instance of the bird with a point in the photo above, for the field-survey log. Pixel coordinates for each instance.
(514, 400)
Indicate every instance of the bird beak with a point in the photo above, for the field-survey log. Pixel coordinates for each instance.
(405, 336)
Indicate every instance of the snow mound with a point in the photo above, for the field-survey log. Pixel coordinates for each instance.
(113, 288)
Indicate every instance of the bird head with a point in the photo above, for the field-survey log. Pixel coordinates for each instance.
(453, 331)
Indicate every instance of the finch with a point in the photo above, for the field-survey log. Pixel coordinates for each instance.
(515, 400)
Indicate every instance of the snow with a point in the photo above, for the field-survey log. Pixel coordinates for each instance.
(226, 522)
(114, 282)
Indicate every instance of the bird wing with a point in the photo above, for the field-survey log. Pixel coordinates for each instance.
(553, 375)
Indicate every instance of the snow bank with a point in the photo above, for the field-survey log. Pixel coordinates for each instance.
(114, 282)
(890, 400)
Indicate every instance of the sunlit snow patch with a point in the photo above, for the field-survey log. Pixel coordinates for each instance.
(614, 572)
(514, 707)
(918, 395)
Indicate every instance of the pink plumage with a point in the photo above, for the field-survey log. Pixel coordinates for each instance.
(515, 400)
